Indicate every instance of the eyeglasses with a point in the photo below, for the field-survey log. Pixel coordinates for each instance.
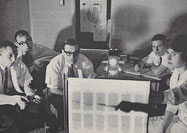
(68, 53)
(22, 43)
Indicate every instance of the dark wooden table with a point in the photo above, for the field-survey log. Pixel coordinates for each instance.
(155, 85)
(102, 73)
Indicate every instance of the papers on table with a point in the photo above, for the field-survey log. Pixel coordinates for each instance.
(144, 73)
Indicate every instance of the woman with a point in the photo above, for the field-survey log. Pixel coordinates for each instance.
(178, 63)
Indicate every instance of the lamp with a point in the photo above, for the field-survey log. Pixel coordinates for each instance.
(113, 67)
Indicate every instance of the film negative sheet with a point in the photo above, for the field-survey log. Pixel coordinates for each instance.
(92, 102)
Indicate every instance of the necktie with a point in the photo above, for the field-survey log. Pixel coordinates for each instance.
(178, 77)
(5, 86)
(160, 61)
(71, 72)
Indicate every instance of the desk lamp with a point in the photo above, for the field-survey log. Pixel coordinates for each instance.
(113, 63)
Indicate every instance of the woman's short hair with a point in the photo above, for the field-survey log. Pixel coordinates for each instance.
(179, 44)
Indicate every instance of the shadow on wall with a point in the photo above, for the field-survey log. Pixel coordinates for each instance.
(131, 22)
(177, 26)
(143, 50)
(96, 56)
(64, 34)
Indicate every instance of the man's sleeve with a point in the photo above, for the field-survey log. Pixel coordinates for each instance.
(89, 70)
(165, 60)
(24, 77)
(148, 59)
(44, 56)
(53, 76)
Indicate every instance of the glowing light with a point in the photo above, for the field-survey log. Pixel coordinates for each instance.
(113, 62)
(106, 68)
(113, 72)
(119, 69)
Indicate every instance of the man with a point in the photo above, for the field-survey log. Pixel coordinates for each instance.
(70, 63)
(14, 83)
(34, 56)
(59, 66)
(157, 59)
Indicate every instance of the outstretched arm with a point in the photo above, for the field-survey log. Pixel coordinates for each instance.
(13, 100)
(174, 96)
(129, 106)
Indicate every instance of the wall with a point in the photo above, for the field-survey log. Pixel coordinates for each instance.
(52, 23)
(95, 55)
(14, 15)
(135, 22)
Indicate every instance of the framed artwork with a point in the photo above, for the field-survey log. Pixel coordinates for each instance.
(93, 23)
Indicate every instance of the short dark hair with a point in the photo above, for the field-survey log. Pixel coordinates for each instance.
(23, 33)
(179, 43)
(158, 37)
(5, 44)
(71, 42)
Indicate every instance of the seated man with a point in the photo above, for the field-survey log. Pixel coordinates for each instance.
(34, 56)
(157, 59)
(14, 83)
(70, 63)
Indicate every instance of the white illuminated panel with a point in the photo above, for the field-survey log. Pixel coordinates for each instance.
(91, 105)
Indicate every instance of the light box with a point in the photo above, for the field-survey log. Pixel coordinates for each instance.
(91, 105)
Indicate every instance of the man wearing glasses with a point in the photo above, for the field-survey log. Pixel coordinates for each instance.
(34, 56)
(70, 63)
(61, 65)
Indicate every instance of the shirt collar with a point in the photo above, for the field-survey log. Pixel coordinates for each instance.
(69, 65)
(159, 56)
(163, 55)
(2, 67)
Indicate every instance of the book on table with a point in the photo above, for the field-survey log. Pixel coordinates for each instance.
(144, 73)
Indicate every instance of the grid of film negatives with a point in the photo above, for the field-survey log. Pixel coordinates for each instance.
(92, 102)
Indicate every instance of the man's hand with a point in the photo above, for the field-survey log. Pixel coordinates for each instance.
(34, 98)
(21, 52)
(16, 43)
(128, 106)
(125, 106)
(20, 101)
(137, 68)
